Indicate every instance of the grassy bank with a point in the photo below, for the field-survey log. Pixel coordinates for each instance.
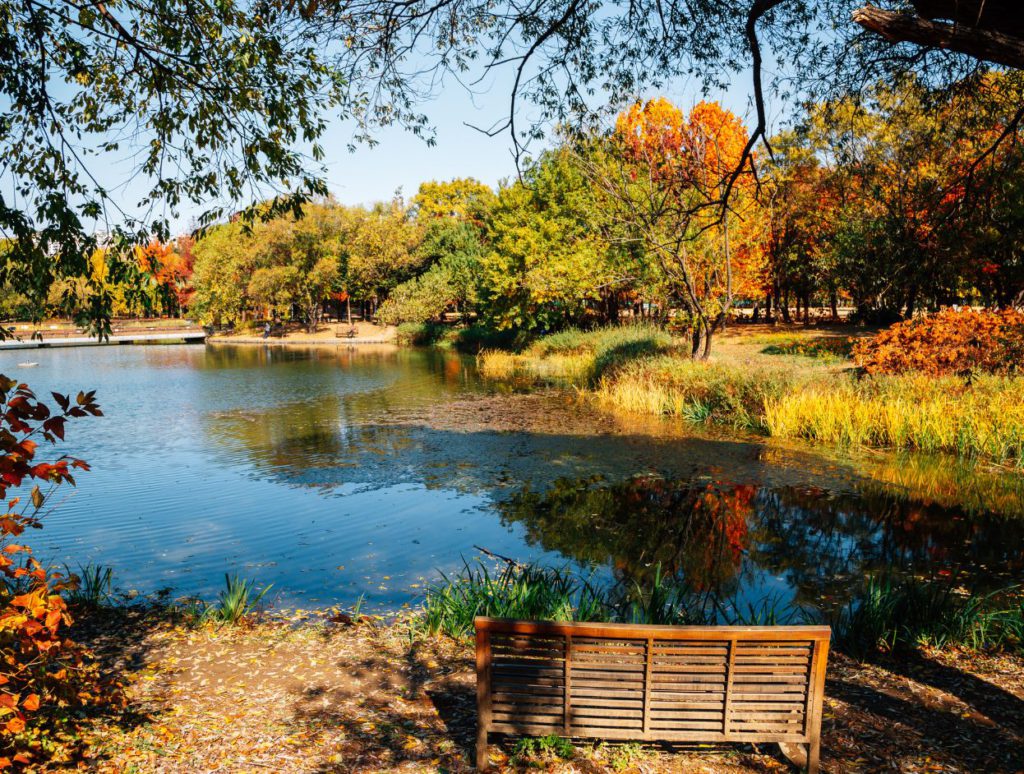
(889, 614)
(639, 370)
(578, 357)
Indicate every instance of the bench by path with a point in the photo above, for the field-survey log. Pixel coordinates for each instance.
(653, 683)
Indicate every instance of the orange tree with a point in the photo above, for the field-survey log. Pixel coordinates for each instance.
(45, 678)
(665, 176)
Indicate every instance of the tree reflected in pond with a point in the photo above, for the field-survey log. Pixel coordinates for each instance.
(734, 539)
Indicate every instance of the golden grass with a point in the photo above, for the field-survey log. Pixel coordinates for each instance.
(635, 371)
(980, 418)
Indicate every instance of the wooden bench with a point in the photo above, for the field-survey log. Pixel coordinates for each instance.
(653, 683)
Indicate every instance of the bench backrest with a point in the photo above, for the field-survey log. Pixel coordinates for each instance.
(671, 683)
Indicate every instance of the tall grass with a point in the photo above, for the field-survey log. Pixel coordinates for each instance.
(903, 614)
(695, 390)
(983, 417)
(890, 614)
(531, 592)
(526, 592)
(637, 369)
(578, 357)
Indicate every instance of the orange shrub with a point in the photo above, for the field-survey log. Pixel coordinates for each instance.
(947, 343)
(45, 678)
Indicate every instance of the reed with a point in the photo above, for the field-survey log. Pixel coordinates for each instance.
(983, 417)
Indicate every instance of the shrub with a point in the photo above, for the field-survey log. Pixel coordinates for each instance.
(418, 334)
(950, 342)
(46, 680)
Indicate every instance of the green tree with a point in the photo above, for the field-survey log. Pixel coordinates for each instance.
(380, 251)
(200, 102)
(452, 249)
(550, 256)
(463, 198)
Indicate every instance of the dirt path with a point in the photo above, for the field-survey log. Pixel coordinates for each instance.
(331, 698)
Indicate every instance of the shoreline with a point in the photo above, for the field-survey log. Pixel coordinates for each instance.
(304, 341)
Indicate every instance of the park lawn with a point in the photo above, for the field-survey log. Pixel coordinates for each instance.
(304, 694)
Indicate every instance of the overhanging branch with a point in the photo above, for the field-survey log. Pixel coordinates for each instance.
(987, 45)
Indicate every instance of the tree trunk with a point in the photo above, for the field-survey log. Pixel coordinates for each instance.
(833, 300)
(698, 340)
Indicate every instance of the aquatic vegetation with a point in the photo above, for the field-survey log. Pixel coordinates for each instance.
(900, 614)
(533, 592)
(95, 585)
(517, 591)
(236, 603)
(981, 417)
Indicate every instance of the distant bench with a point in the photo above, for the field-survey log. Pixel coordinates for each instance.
(648, 683)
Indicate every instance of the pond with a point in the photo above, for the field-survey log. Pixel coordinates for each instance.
(335, 473)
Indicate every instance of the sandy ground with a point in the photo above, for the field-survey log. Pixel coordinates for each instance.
(366, 333)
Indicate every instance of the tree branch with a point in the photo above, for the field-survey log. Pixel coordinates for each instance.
(982, 44)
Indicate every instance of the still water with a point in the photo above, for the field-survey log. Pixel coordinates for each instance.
(335, 473)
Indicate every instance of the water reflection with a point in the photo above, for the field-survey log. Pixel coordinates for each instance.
(730, 539)
(333, 472)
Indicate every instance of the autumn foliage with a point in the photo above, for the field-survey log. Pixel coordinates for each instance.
(950, 342)
(44, 677)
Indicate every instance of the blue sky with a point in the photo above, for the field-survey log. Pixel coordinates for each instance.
(401, 160)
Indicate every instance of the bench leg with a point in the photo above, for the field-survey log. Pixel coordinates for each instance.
(795, 754)
(483, 761)
(814, 756)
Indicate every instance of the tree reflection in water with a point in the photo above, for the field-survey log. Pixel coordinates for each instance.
(728, 539)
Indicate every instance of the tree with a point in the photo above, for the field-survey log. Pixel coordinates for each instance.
(301, 258)
(665, 175)
(451, 250)
(463, 198)
(204, 101)
(380, 251)
(550, 258)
